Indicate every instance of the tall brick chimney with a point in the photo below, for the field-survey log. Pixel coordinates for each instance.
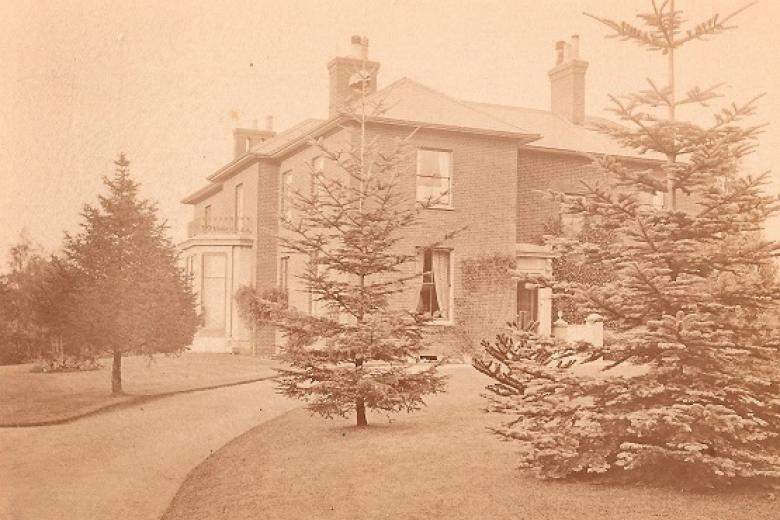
(347, 73)
(567, 81)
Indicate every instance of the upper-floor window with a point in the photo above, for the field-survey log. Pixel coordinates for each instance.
(285, 208)
(238, 208)
(434, 177)
(317, 169)
(435, 283)
(207, 217)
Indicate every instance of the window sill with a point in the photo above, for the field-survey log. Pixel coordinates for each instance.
(441, 208)
(439, 323)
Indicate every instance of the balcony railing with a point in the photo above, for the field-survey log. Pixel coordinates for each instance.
(220, 226)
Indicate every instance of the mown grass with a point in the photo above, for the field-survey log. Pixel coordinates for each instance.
(438, 463)
(28, 397)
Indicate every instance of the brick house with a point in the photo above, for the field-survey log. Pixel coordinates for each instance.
(490, 161)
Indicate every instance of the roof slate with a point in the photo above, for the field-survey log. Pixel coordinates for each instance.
(408, 100)
(282, 139)
(559, 133)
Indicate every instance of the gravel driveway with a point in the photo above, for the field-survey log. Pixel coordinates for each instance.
(127, 463)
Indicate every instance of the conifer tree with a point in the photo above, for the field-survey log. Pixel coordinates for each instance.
(348, 227)
(692, 284)
(130, 293)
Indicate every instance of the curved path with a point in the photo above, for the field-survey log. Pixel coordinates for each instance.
(127, 463)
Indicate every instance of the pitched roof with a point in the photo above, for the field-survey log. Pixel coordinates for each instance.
(559, 133)
(282, 139)
(409, 101)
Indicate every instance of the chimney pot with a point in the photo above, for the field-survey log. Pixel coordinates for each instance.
(359, 49)
(566, 52)
(343, 72)
(567, 81)
(269, 122)
(559, 45)
(254, 123)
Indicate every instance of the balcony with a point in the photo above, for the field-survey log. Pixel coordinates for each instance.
(220, 226)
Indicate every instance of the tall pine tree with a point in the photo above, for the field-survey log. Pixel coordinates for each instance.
(692, 283)
(130, 294)
(349, 228)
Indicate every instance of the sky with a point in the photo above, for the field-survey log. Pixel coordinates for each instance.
(166, 82)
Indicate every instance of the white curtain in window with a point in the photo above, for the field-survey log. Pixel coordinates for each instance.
(441, 279)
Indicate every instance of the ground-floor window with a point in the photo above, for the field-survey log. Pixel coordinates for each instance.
(314, 299)
(435, 283)
(214, 290)
(527, 304)
(284, 275)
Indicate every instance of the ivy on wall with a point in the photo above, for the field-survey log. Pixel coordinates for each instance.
(492, 269)
(487, 301)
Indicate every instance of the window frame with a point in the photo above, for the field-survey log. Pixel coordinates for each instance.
(450, 319)
(238, 207)
(203, 277)
(285, 208)
(315, 161)
(658, 200)
(451, 201)
(284, 275)
(207, 217)
(534, 303)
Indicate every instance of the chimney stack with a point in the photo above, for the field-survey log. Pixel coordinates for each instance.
(347, 73)
(245, 138)
(567, 81)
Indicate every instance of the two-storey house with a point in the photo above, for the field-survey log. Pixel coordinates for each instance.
(486, 163)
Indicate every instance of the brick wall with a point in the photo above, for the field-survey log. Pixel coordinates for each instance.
(540, 170)
(484, 197)
(484, 201)
(266, 246)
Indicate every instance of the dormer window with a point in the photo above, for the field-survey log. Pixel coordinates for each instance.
(434, 178)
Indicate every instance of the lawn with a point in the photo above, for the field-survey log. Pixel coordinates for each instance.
(28, 398)
(438, 463)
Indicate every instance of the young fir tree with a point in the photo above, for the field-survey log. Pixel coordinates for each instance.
(130, 294)
(349, 227)
(686, 304)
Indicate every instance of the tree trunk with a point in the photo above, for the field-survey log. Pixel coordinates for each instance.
(360, 403)
(360, 409)
(116, 374)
